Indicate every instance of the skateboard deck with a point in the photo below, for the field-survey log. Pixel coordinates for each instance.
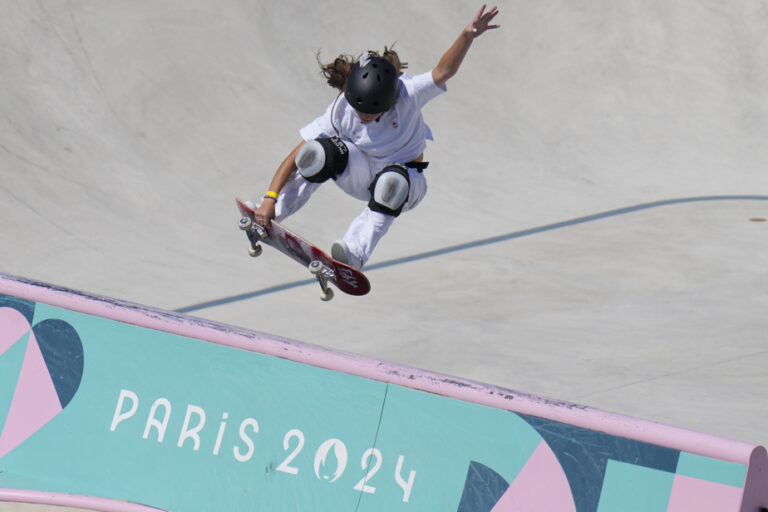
(347, 279)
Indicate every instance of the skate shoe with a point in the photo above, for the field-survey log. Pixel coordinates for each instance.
(340, 252)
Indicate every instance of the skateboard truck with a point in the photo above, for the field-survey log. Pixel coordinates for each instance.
(320, 272)
(255, 233)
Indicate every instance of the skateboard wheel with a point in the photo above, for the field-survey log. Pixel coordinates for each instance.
(327, 295)
(255, 251)
(316, 267)
(245, 223)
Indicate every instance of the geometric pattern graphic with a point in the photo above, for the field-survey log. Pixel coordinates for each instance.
(580, 470)
(532, 493)
(541, 486)
(482, 490)
(585, 454)
(45, 362)
(702, 495)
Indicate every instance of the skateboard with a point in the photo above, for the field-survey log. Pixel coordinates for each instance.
(325, 269)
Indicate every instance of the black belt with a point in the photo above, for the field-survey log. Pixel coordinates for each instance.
(419, 166)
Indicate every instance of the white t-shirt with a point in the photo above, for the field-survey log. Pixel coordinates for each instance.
(400, 134)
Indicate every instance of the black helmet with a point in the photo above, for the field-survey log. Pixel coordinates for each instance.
(371, 87)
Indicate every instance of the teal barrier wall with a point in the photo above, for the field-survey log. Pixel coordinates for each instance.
(98, 407)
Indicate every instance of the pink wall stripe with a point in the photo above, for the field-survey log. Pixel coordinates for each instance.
(70, 500)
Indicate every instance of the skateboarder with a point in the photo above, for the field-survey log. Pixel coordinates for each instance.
(370, 141)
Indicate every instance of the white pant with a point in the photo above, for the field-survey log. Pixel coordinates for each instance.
(366, 229)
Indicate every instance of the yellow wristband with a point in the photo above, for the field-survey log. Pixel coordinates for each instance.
(271, 194)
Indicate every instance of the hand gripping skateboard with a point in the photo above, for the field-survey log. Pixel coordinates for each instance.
(323, 267)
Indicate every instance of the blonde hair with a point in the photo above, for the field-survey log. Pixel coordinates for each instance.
(336, 72)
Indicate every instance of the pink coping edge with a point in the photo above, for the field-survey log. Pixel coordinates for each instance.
(72, 500)
(461, 389)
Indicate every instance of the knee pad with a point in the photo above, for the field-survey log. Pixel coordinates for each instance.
(389, 190)
(322, 159)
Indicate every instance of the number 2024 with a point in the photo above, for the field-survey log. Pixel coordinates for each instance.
(340, 452)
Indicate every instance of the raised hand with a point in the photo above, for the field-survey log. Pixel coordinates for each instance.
(482, 21)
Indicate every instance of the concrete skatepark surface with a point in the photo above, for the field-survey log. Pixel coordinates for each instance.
(592, 231)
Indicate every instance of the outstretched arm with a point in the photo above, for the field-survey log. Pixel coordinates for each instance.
(266, 211)
(451, 60)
